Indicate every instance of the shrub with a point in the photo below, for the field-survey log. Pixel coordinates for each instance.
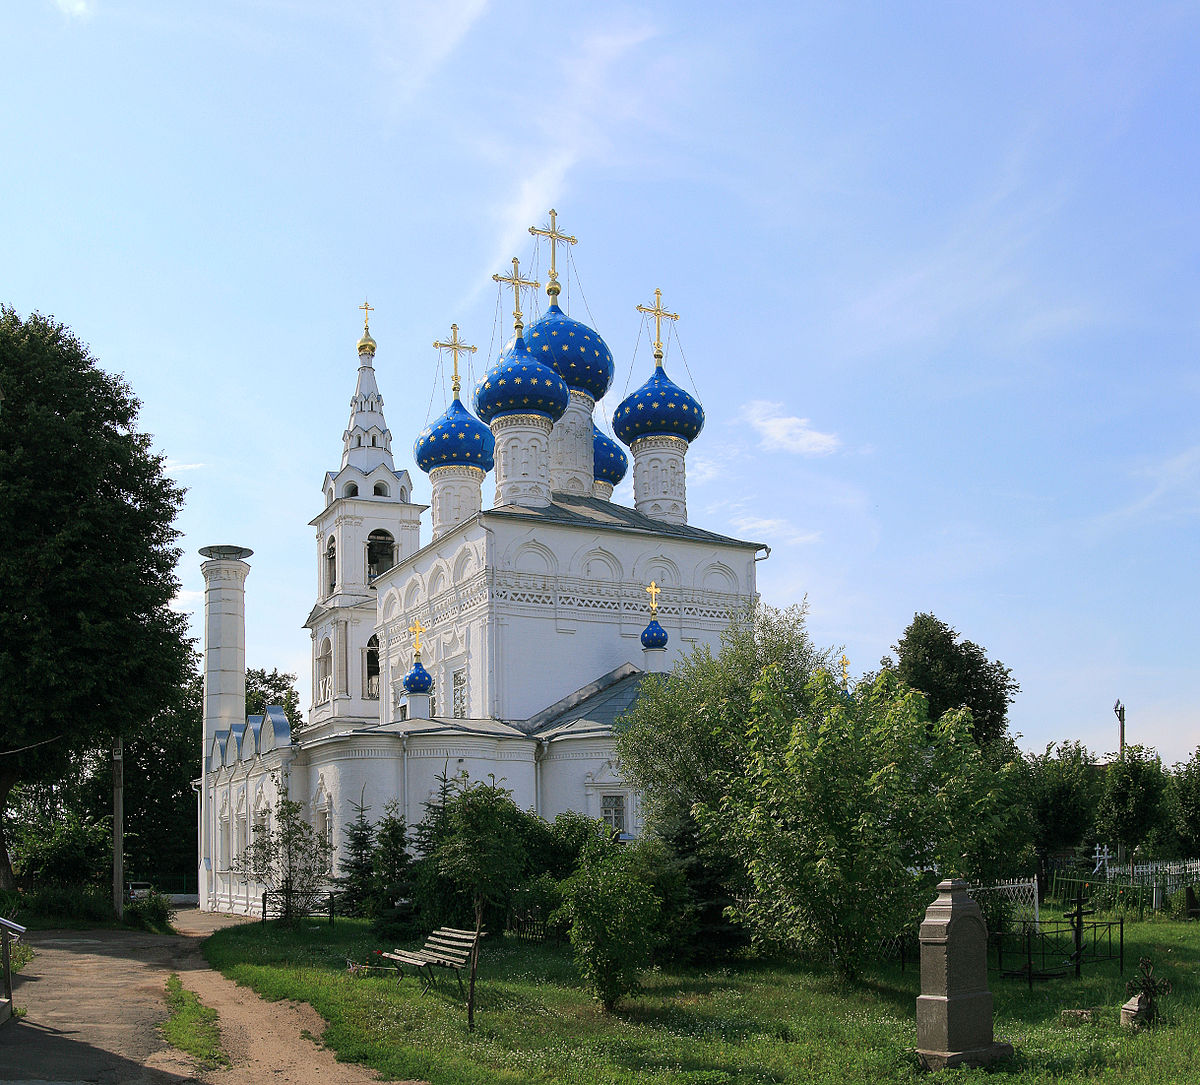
(613, 914)
(152, 912)
(69, 903)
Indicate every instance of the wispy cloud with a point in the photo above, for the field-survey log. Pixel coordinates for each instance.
(774, 531)
(187, 600)
(1174, 487)
(75, 9)
(424, 35)
(174, 467)
(786, 433)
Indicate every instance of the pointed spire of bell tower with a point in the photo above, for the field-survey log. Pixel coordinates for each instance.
(367, 442)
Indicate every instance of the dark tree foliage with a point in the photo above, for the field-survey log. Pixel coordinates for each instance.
(395, 914)
(264, 689)
(89, 647)
(356, 885)
(1063, 786)
(1186, 788)
(954, 673)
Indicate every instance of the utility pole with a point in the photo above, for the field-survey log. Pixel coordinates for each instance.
(118, 781)
(1119, 710)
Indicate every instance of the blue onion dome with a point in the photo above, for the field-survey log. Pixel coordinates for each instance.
(608, 458)
(520, 384)
(418, 680)
(578, 354)
(654, 635)
(659, 408)
(457, 439)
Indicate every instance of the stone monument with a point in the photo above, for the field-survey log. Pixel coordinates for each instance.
(954, 1010)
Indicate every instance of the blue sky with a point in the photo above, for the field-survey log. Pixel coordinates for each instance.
(936, 265)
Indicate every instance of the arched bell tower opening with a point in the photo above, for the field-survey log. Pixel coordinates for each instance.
(381, 553)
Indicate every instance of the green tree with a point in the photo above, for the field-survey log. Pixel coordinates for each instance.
(613, 916)
(289, 857)
(276, 688)
(393, 870)
(1187, 804)
(954, 673)
(839, 811)
(1132, 801)
(357, 884)
(687, 731)
(1063, 789)
(482, 852)
(89, 647)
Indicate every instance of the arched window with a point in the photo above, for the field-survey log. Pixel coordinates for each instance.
(331, 566)
(351, 490)
(371, 687)
(403, 494)
(381, 489)
(372, 440)
(381, 553)
(359, 444)
(324, 684)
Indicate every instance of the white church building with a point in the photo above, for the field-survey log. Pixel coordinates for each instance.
(508, 640)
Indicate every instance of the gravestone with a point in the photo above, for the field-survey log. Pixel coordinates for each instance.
(954, 1011)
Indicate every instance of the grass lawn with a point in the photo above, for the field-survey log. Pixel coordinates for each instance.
(755, 1022)
(192, 1026)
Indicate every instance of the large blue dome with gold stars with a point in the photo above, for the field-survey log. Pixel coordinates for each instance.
(577, 353)
(608, 458)
(659, 407)
(520, 384)
(457, 438)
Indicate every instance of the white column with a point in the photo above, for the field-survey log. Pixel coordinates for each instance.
(457, 495)
(654, 660)
(659, 482)
(602, 489)
(224, 676)
(572, 459)
(522, 459)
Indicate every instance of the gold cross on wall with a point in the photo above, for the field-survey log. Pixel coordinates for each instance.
(653, 591)
(367, 311)
(456, 346)
(658, 312)
(516, 282)
(555, 237)
(416, 629)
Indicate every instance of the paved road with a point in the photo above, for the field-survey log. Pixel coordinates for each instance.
(93, 1000)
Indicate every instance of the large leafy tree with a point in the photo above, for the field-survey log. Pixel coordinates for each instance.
(688, 729)
(955, 673)
(89, 647)
(276, 688)
(842, 812)
(1186, 788)
(1133, 798)
(1062, 792)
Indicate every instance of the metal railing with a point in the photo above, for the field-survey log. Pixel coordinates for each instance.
(8, 932)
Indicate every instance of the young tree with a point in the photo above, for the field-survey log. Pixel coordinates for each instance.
(89, 647)
(289, 857)
(264, 689)
(612, 913)
(1063, 789)
(357, 882)
(482, 852)
(839, 811)
(1132, 800)
(1187, 804)
(954, 673)
(687, 731)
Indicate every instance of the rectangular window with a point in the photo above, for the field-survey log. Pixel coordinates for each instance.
(612, 811)
(459, 694)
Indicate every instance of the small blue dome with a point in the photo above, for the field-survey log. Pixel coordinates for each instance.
(654, 635)
(419, 680)
(457, 438)
(519, 384)
(608, 458)
(659, 407)
(577, 353)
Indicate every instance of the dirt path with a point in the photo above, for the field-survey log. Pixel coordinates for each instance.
(93, 1000)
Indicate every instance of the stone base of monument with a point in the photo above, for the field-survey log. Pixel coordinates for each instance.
(979, 1056)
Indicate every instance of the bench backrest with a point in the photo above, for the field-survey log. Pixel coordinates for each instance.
(451, 943)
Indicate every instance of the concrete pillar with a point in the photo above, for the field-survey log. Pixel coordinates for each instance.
(659, 479)
(954, 1010)
(602, 489)
(225, 574)
(457, 495)
(572, 458)
(654, 660)
(522, 459)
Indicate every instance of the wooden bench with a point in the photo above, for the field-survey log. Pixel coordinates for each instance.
(447, 947)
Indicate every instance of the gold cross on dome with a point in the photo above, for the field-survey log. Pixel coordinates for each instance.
(456, 346)
(367, 311)
(416, 629)
(555, 237)
(658, 312)
(653, 591)
(845, 671)
(516, 282)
